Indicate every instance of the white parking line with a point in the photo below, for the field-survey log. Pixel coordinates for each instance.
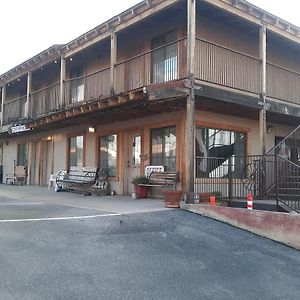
(15, 203)
(61, 218)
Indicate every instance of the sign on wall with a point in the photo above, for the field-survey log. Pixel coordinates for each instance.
(17, 129)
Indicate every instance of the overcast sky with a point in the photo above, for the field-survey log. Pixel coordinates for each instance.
(29, 27)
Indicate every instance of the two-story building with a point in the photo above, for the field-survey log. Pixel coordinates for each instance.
(162, 83)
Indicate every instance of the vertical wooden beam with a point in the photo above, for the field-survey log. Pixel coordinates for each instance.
(113, 61)
(29, 89)
(62, 81)
(3, 96)
(29, 163)
(263, 71)
(190, 105)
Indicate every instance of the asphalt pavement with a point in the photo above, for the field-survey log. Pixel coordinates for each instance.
(51, 251)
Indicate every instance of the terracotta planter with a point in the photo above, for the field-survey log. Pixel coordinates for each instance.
(141, 191)
(172, 198)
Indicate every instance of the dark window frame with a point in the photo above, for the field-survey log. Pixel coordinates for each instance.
(163, 157)
(107, 167)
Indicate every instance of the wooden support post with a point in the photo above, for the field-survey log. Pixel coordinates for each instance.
(263, 70)
(3, 96)
(29, 89)
(29, 163)
(62, 81)
(190, 105)
(113, 61)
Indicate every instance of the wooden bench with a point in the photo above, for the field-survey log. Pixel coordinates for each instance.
(76, 179)
(162, 180)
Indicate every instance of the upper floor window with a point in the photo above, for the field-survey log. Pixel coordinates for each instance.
(76, 84)
(214, 148)
(108, 154)
(165, 58)
(76, 151)
(163, 147)
(22, 155)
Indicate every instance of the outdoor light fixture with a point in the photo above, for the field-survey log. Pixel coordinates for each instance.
(49, 138)
(92, 129)
(269, 128)
(55, 62)
(71, 58)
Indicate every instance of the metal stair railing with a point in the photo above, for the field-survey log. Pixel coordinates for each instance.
(269, 173)
(287, 190)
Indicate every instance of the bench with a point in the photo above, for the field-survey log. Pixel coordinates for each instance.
(76, 179)
(162, 180)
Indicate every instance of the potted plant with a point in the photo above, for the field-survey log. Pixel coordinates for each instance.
(172, 198)
(219, 198)
(141, 191)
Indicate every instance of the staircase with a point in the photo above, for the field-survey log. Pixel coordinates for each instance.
(278, 173)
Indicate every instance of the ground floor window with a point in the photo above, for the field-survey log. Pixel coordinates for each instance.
(76, 151)
(163, 147)
(108, 154)
(22, 155)
(214, 148)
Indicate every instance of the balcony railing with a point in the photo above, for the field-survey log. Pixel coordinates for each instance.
(223, 66)
(14, 109)
(44, 100)
(162, 64)
(85, 88)
(283, 84)
(214, 64)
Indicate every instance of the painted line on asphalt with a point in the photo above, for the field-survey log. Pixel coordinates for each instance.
(27, 203)
(60, 219)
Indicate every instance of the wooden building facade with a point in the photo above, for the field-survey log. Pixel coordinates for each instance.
(160, 84)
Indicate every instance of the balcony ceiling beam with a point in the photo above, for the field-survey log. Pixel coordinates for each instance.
(258, 16)
(119, 23)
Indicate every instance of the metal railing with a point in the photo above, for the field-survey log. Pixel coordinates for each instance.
(14, 109)
(162, 64)
(227, 67)
(276, 168)
(287, 188)
(225, 175)
(44, 100)
(265, 177)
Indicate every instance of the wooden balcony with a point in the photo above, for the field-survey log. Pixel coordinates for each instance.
(283, 84)
(227, 67)
(214, 64)
(14, 110)
(44, 100)
(86, 88)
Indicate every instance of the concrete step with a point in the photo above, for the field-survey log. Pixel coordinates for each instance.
(267, 205)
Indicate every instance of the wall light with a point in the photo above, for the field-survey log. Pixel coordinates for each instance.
(269, 128)
(92, 129)
(49, 138)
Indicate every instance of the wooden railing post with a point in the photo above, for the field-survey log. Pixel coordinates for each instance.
(2, 103)
(190, 105)
(113, 61)
(29, 88)
(62, 81)
(263, 72)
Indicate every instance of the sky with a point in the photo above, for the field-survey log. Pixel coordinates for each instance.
(31, 26)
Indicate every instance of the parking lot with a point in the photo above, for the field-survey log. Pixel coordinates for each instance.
(59, 251)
